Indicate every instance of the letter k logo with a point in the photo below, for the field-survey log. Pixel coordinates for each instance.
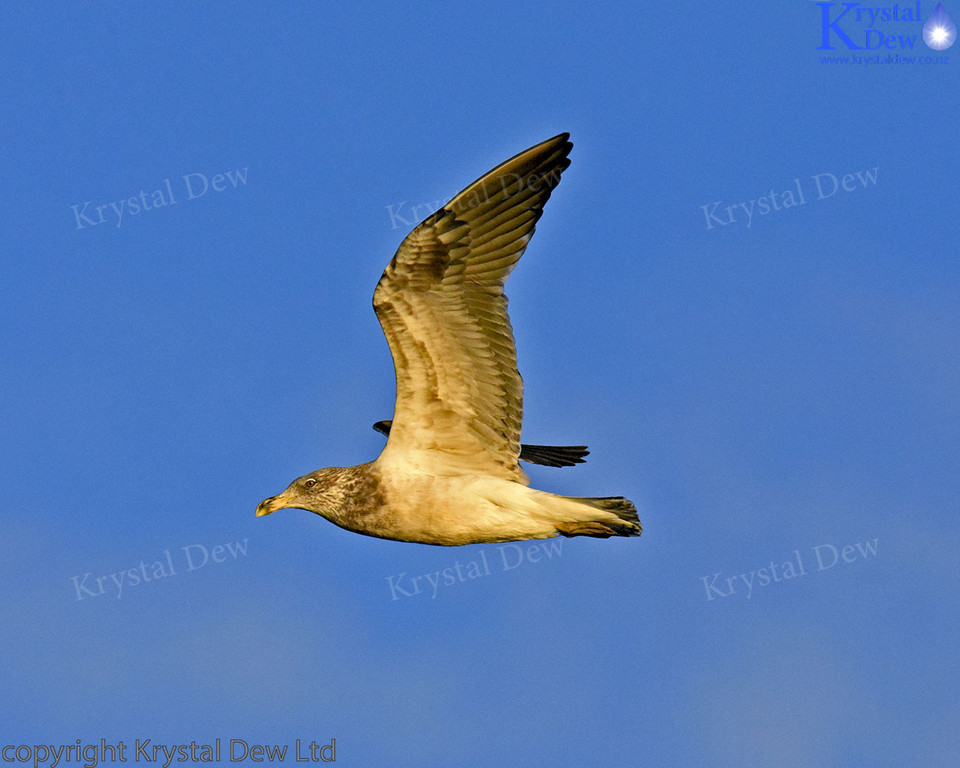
(828, 25)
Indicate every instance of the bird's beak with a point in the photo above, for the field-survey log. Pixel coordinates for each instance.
(271, 505)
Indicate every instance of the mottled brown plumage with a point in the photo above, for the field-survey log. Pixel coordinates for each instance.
(449, 473)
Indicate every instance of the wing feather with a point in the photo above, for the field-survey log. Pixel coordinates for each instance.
(443, 310)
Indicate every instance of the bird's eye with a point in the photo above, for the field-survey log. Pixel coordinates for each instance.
(310, 482)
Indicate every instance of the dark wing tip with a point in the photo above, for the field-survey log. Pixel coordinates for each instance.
(560, 138)
(383, 427)
(554, 455)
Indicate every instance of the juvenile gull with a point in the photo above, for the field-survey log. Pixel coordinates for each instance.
(449, 473)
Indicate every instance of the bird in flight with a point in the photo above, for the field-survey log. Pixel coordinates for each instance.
(450, 473)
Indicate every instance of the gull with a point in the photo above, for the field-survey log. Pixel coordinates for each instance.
(449, 473)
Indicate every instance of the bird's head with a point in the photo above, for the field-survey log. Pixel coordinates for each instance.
(317, 492)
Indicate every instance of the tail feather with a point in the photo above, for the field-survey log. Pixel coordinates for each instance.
(619, 518)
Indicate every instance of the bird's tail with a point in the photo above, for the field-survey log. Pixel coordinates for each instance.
(614, 516)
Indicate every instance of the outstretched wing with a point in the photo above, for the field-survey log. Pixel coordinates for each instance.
(442, 307)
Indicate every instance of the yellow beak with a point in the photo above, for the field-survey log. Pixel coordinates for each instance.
(271, 505)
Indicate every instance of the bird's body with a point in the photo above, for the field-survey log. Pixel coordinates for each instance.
(410, 505)
(449, 473)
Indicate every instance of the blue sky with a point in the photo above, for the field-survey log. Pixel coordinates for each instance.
(771, 388)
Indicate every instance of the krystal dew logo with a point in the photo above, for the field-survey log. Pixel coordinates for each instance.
(864, 27)
(827, 556)
(511, 556)
(939, 32)
(195, 556)
(195, 185)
